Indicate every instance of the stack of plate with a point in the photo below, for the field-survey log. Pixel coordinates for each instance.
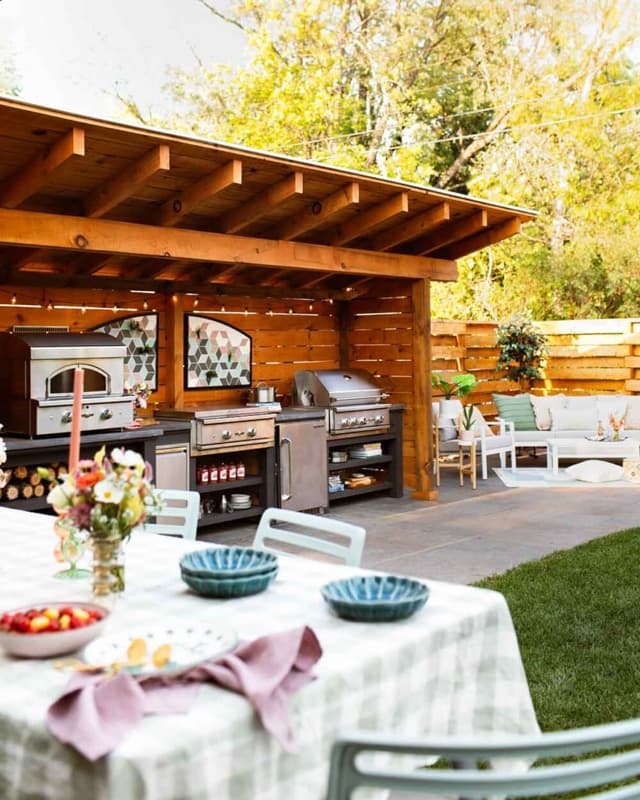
(228, 571)
(238, 502)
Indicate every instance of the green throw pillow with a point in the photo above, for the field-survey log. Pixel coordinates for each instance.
(517, 409)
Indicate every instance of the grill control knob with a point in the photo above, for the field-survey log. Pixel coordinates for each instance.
(226, 435)
(379, 419)
(106, 413)
(362, 420)
(65, 417)
(251, 432)
(344, 422)
(353, 421)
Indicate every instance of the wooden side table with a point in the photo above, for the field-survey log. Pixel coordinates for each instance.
(467, 461)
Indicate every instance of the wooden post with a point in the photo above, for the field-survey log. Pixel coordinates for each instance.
(343, 314)
(421, 340)
(175, 351)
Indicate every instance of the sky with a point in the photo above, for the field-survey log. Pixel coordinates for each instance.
(73, 54)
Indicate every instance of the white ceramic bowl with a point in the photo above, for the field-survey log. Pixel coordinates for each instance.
(55, 643)
(240, 498)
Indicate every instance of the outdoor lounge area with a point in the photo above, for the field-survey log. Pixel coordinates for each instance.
(319, 400)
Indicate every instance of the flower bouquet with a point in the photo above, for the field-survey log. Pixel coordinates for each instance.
(102, 502)
(617, 427)
(3, 457)
(140, 393)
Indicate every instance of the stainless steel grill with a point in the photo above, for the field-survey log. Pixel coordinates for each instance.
(352, 400)
(220, 429)
(38, 394)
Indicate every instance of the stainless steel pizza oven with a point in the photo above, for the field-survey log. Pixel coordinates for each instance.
(352, 399)
(37, 396)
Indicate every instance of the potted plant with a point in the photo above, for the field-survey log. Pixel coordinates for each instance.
(465, 423)
(523, 351)
(453, 390)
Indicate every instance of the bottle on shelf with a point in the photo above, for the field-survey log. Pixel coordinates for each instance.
(232, 471)
(213, 473)
(223, 504)
(223, 472)
(241, 473)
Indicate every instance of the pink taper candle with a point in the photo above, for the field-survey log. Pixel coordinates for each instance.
(76, 419)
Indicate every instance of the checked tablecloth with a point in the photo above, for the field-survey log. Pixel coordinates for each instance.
(454, 667)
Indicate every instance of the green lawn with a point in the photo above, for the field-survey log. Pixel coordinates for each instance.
(577, 616)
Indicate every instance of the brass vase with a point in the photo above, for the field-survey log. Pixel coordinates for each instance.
(108, 566)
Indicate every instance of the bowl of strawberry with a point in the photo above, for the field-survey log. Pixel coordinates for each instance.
(50, 629)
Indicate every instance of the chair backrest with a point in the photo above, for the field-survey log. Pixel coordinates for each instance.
(180, 515)
(301, 534)
(352, 768)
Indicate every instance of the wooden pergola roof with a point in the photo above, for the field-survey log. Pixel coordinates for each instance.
(87, 202)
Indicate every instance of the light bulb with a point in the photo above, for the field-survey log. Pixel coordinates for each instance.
(14, 299)
(145, 305)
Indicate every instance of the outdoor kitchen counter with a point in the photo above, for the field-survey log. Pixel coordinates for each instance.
(299, 414)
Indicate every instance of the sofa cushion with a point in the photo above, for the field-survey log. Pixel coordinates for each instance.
(542, 409)
(517, 409)
(577, 413)
(479, 424)
(632, 417)
(594, 471)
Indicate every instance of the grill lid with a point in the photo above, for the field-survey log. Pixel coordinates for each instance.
(336, 387)
(36, 346)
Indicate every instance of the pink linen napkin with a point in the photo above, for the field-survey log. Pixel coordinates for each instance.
(94, 715)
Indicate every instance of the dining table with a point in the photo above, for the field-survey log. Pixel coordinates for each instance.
(453, 667)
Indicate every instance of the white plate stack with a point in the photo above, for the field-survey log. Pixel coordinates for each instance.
(239, 502)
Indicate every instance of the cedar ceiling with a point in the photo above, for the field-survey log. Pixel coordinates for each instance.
(87, 202)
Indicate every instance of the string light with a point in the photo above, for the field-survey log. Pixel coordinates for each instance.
(270, 312)
(83, 310)
(49, 306)
(174, 298)
(310, 306)
(14, 300)
(145, 305)
(115, 307)
(195, 302)
(290, 310)
(246, 311)
(222, 309)
(331, 301)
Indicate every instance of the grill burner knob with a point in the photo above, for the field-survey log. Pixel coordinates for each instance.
(362, 420)
(226, 435)
(65, 417)
(106, 413)
(251, 432)
(353, 421)
(379, 419)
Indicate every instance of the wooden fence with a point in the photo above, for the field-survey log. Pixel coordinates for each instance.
(585, 357)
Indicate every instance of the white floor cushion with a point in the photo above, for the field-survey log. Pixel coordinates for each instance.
(594, 471)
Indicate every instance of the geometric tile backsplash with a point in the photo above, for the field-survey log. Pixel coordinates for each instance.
(217, 355)
(139, 334)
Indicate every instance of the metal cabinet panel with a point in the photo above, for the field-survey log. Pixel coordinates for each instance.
(302, 462)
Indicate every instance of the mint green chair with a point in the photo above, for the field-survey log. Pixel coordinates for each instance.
(466, 779)
(179, 516)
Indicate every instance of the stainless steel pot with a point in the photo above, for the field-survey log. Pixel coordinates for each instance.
(264, 393)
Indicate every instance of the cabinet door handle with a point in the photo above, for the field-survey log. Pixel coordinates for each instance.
(286, 441)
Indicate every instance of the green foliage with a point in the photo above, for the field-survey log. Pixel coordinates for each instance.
(467, 416)
(459, 385)
(523, 349)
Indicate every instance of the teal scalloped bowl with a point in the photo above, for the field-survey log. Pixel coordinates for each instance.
(232, 586)
(227, 562)
(375, 598)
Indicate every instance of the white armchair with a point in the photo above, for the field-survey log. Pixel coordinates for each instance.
(487, 443)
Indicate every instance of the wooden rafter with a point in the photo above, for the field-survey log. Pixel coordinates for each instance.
(453, 233)
(127, 182)
(412, 228)
(274, 277)
(493, 235)
(34, 175)
(79, 234)
(362, 223)
(237, 219)
(318, 212)
(171, 212)
(226, 274)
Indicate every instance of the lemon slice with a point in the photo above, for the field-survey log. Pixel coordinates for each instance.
(161, 656)
(137, 653)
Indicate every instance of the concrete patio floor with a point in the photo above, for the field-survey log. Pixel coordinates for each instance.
(467, 535)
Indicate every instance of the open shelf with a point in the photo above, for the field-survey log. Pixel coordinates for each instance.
(225, 486)
(360, 463)
(381, 486)
(218, 518)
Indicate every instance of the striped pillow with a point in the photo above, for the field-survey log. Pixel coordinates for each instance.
(517, 409)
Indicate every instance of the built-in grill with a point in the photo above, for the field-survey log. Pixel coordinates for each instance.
(352, 400)
(38, 371)
(219, 429)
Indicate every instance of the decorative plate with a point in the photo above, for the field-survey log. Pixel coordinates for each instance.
(231, 586)
(596, 438)
(52, 643)
(375, 598)
(189, 645)
(226, 562)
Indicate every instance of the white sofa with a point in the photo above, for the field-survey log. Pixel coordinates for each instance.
(562, 416)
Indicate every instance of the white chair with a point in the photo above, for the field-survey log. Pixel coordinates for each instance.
(304, 534)
(350, 768)
(180, 515)
(500, 443)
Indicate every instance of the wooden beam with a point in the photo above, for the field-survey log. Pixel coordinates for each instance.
(175, 352)
(422, 412)
(127, 182)
(224, 275)
(504, 230)
(412, 228)
(452, 233)
(79, 234)
(367, 220)
(237, 219)
(318, 212)
(32, 177)
(229, 174)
